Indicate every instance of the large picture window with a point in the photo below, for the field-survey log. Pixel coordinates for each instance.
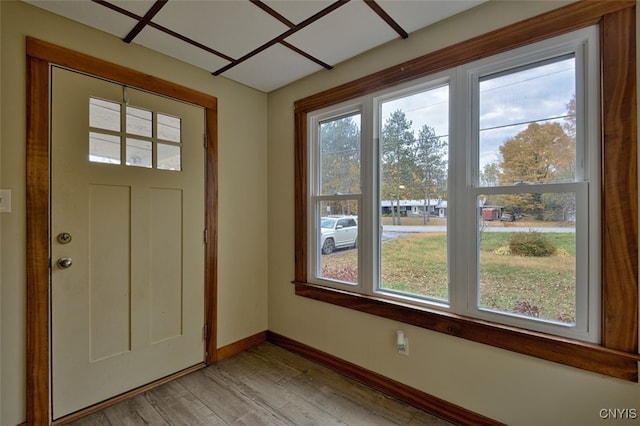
(522, 204)
(472, 199)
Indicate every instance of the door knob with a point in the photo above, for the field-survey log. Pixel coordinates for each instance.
(65, 262)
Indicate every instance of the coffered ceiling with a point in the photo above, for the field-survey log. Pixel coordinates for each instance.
(264, 44)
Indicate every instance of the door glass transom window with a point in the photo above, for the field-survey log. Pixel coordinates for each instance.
(151, 139)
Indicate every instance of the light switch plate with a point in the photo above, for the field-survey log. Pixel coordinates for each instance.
(5, 200)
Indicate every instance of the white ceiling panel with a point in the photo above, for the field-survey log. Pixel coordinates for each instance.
(90, 14)
(231, 27)
(413, 15)
(298, 11)
(273, 68)
(139, 7)
(240, 33)
(171, 46)
(349, 31)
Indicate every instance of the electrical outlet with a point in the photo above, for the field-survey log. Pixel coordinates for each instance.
(402, 343)
(404, 349)
(5, 200)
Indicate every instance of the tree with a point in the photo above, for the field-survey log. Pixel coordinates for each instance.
(397, 159)
(570, 120)
(340, 159)
(431, 164)
(542, 153)
(538, 154)
(561, 206)
(490, 175)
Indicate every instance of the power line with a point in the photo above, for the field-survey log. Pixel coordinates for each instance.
(524, 80)
(527, 122)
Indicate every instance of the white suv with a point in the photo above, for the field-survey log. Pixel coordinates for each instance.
(337, 232)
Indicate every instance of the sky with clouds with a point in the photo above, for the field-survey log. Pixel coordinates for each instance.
(509, 102)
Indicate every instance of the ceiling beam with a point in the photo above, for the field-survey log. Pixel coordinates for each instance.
(273, 13)
(189, 41)
(284, 35)
(147, 20)
(289, 24)
(159, 4)
(158, 27)
(306, 55)
(118, 9)
(386, 18)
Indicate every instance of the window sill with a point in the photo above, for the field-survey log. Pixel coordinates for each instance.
(586, 356)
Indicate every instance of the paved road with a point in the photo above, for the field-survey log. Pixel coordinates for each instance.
(413, 229)
(390, 232)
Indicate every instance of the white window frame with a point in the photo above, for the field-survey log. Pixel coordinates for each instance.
(434, 81)
(583, 44)
(316, 197)
(463, 185)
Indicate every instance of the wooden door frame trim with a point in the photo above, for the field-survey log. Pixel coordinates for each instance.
(40, 57)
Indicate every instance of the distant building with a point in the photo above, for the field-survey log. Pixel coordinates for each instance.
(436, 208)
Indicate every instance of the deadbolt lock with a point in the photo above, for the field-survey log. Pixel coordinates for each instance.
(64, 238)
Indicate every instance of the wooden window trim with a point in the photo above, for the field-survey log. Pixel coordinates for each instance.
(617, 355)
(40, 57)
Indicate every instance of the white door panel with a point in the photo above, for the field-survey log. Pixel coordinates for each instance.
(130, 308)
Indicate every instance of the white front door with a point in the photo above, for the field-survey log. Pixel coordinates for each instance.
(127, 244)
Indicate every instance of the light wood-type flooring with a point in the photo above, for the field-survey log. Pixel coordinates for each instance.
(265, 385)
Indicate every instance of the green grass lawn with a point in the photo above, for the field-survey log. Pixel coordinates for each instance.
(417, 263)
(537, 286)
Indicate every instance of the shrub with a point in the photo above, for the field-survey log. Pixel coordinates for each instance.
(532, 243)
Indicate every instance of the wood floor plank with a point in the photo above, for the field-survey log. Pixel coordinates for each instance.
(228, 402)
(265, 385)
(320, 377)
(425, 419)
(180, 407)
(293, 408)
(271, 366)
(335, 403)
(249, 383)
(386, 406)
(321, 387)
(95, 419)
(134, 411)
